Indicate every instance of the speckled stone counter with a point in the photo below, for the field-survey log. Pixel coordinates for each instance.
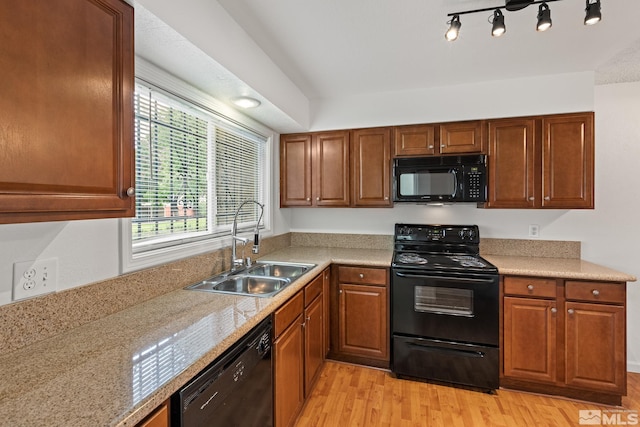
(568, 268)
(116, 370)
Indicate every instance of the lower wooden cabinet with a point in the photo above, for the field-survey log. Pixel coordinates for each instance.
(360, 319)
(565, 337)
(158, 418)
(299, 348)
(288, 361)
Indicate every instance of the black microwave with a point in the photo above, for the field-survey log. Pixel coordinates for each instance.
(441, 179)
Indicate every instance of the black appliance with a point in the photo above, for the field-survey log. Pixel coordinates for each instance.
(442, 179)
(235, 390)
(444, 307)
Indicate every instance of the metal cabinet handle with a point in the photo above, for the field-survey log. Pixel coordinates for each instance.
(361, 276)
(386, 197)
(308, 199)
(547, 198)
(431, 147)
(442, 145)
(318, 199)
(595, 292)
(340, 290)
(530, 287)
(131, 191)
(570, 311)
(554, 310)
(531, 199)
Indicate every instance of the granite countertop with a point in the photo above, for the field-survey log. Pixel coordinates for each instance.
(118, 369)
(566, 268)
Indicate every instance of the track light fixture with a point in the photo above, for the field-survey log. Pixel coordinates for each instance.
(593, 15)
(454, 28)
(544, 18)
(498, 28)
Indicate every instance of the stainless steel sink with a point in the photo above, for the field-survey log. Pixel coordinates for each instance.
(286, 270)
(264, 279)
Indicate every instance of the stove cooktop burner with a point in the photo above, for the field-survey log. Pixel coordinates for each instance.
(411, 258)
(469, 261)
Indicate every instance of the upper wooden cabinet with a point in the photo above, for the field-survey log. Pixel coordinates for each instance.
(512, 163)
(371, 167)
(462, 137)
(541, 162)
(419, 140)
(67, 109)
(314, 169)
(445, 138)
(567, 161)
(336, 169)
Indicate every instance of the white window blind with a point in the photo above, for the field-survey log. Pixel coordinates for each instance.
(193, 169)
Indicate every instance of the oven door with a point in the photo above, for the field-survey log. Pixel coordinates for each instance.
(451, 307)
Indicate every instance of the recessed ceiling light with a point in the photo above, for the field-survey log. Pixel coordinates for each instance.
(245, 102)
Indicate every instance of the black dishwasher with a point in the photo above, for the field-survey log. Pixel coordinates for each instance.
(234, 390)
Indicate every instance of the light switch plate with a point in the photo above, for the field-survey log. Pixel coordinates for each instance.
(33, 278)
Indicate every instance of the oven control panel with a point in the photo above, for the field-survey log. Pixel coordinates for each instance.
(437, 233)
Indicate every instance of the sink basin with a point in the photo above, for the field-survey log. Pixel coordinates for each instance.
(264, 279)
(285, 270)
(258, 286)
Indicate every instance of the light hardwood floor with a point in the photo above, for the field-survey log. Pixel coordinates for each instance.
(348, 395)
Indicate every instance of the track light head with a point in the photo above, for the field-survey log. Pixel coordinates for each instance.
(544, 18)
(454, 29)
(593, 13)
(498, 28)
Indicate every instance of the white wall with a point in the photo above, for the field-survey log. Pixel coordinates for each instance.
(609, 234)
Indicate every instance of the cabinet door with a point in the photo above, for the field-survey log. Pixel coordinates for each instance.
(295, 170)
(67, 110)
(529, 339)
(331, 169)
(363, 318)
(512, 171)
(371, 167)
(313, 342)
(567, 161)
(461, 137)
(595, 347)
(289, 374)
(414, 140)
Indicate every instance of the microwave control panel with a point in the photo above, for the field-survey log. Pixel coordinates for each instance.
(475, 183)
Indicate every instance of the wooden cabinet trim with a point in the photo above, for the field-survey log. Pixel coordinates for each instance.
(462, 137)
(415, 140)
(313, 289)
(371, 167)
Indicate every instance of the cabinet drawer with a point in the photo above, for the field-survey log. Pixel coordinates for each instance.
(286, 314)
(595, 291)
(370, 276)
(530, 286)
(312, 290)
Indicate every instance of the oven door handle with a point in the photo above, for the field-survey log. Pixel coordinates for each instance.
(466, 353)
(425, 276)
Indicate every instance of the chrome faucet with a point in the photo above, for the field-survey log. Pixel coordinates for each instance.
(237, 263)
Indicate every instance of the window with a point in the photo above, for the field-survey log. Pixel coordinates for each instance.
(194, 167)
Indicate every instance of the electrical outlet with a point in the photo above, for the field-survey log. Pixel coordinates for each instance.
(33, 278)
(534, 230)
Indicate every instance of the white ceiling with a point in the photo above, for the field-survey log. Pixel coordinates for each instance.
(340, 48)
